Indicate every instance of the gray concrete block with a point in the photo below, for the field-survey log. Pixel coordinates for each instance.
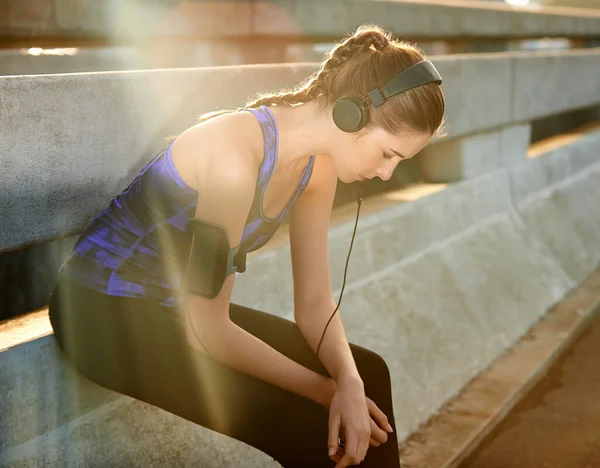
(420, 19)
(129, 433)
(425, 297)
(536, 174)
(514, 142)
(52, 416)
(267, 283)
(586, 151)
(23, 62)
(473, 85)
(138, 19)
(40, 392)
(547, 83)
(399, 232)
(305, 19)
(85, 154)
(566, 218)
(462, 158)
(112, 18)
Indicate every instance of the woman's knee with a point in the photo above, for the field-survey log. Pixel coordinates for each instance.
(370, 364)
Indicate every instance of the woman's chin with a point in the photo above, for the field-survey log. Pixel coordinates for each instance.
(348, 178)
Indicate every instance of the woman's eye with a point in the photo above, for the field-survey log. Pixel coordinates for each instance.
(387, 156)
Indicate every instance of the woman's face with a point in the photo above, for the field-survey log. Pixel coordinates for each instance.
(374, 153)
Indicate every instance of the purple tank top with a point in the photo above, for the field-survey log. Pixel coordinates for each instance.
(137, 246)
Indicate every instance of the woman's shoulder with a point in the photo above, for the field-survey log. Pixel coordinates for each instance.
(224, 146)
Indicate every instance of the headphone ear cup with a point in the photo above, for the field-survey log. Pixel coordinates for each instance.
(349, 115)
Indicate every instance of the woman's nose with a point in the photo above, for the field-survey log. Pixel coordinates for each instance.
(384, 175)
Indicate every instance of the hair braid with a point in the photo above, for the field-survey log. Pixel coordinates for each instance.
(316, 85)
(366, 37)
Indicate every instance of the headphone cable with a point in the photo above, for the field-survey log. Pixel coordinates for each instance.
(360, 193)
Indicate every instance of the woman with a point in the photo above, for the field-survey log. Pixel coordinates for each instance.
(122, 310)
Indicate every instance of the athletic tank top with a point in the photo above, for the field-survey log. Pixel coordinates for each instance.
(138, 246)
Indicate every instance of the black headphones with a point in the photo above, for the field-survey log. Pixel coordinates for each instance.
(351, 114)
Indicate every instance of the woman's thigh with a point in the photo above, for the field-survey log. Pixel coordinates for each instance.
(138, 348)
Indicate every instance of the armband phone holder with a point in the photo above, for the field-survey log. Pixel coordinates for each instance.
(210, 260)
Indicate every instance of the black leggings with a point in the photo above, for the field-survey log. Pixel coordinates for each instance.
(138, 347)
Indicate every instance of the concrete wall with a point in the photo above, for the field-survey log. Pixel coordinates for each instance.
(119, 19)
(171, 34)
(444, 275)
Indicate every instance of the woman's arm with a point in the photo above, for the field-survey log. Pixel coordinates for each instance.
(226, 186)
(234, 347)
(313, 299)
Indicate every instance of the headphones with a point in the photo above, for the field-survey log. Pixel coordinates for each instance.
(351, 113)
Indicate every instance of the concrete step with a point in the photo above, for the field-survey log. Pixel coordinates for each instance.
(53, 417)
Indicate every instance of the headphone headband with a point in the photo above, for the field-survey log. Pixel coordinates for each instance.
(416, 75)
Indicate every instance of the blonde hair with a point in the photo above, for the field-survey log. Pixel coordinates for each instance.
(366, 59)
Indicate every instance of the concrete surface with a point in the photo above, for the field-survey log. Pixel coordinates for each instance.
(117, 19)
(51, 416)
(472, 155)
(550, 82)
(72, 60)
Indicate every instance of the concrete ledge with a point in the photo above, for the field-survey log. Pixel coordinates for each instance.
(293, 18)
(66, 161)
(423, 19)
(567, 221)
(547, 83)
(51, 416)
(73, 60)
(556, 195)
(450, 435)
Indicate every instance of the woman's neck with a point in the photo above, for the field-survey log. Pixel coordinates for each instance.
(304, 130)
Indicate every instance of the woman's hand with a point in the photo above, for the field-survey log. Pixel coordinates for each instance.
(379, 424)
(349, 412)
(378, 421)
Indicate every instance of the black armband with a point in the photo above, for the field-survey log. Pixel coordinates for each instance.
(210, 259)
